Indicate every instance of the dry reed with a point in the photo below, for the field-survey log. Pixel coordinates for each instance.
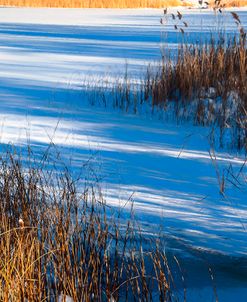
(208, 83)
(56, 242)
(93, 3)
(203, 82)
(115, 3)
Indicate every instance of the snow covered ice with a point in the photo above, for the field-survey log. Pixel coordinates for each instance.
(47, 53)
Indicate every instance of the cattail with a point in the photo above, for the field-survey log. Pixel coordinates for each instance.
(236, 17)
(179, 15)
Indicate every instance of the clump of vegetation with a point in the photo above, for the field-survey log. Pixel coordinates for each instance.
(205, 83)
(93, 3)
(114, 4)
(57, 242)
(119, 3)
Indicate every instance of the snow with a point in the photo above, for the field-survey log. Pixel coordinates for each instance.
(46, 54)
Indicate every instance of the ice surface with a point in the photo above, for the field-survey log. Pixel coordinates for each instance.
(45, 56)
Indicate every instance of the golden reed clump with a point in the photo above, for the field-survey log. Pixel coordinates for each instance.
(93, 3)
(113, 3)
(57, 241)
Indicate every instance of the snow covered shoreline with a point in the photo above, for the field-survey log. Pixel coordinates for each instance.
(45, 55)
(41, 64)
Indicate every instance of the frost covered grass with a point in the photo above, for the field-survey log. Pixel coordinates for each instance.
(58, 242)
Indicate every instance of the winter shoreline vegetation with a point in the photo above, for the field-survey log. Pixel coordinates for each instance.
(93, 4)
(204, 83)
(59, 241)
(114, 3)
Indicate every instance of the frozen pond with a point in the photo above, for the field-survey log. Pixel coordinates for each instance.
(58, 45)
(47, 53)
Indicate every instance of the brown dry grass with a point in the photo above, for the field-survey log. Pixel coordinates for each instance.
(93, 3)
(207, 83)
(204, 82)
(113, 3)
(55, 241)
